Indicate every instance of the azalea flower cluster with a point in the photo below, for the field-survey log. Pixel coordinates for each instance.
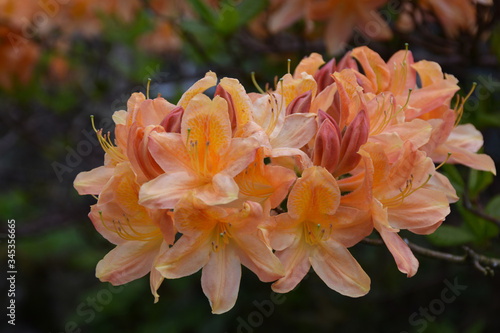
(282, 180)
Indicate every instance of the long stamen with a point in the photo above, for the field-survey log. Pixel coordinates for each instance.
(398, 199)
(254, 81)
(459, 107)
(147, 88)
(107, 145)
(444, 162)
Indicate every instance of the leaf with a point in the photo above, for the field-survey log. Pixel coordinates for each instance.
(248, 9)
(483, 229)
(228, 20)
(478, 181)
(447, 235)
(205, 12)
(493, 207)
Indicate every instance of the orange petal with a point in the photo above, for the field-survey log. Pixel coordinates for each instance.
(92, 182)
(295, 260)
(127, 262)
(200, 86)
(220, 280)
(315, 194)
(406, 261)
(339, 270)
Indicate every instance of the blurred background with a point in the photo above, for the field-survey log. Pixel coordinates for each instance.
(64, 60)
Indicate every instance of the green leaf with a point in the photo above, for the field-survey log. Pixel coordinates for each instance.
(228, 20)
(205, 12)
(483, 229)
(493, 207)
(248, 9)
(447, 235)
(478, 181)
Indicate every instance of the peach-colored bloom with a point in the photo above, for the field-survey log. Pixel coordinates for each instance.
(398, 197)
(315, 232)
(219, 240)
(203, 158)
(137, 232)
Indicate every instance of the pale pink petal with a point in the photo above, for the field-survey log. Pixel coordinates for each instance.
(169, 151)
(165, 191)
(186, 257)
(257, 256)
(222, 190)
(240, 154)
(422, 208)
(338, 269)
(296, 263)
(128, 261)
(297, 130)
(220, 280)
(92, 182)
(406, 261)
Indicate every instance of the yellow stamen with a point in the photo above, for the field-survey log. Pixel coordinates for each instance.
(222, 236)
(444, 162)
(398, 199)
(315, 233)
(130, 235)
(106, 144)
(289, 61)
(147, 88)
(459, 107)
(254, 81)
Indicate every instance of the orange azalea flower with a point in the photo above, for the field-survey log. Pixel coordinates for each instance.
(427, 105)
(398, 196)
(315, 232)
(137, 232)
(131, 144)
(203, 158)
(133, 127)
(219, 240)
(265, 184)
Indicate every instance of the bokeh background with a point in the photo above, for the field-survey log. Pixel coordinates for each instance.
(64, 60)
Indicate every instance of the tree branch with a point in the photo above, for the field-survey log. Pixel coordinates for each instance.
(484, 264)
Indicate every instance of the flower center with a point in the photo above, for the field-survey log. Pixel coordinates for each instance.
(315, 232)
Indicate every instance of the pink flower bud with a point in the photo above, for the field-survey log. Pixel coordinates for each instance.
(300, 104)
(172, 121)
(354, 137)
(323, 77)
(230, 105)
(327, 145)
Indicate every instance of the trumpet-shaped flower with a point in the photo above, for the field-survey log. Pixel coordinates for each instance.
(203, 158)
(219, 240)
(315, 232)
(137, 232)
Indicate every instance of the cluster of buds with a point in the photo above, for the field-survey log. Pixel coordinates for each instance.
(282, 180)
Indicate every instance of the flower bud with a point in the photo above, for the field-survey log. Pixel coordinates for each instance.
(300, 104)
(355, 136)
(172, 121)
(327, 145)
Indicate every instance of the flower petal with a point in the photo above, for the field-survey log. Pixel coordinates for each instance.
(220, 280)
(127, 262)
(339, 270)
